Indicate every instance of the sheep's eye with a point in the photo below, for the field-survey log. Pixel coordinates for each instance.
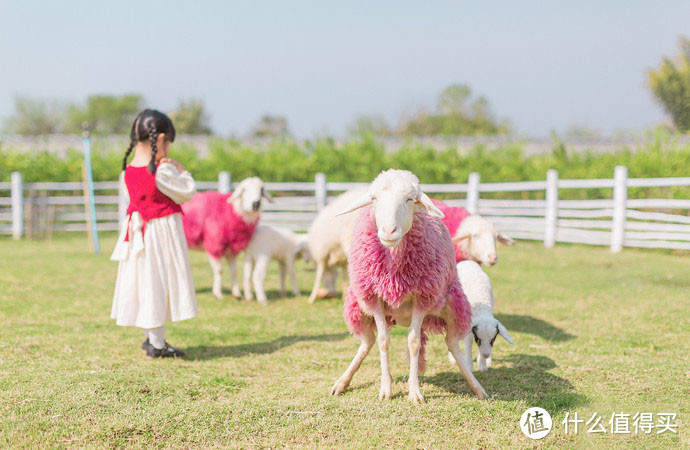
(410, 200)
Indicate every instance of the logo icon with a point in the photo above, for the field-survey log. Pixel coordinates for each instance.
(536, 423)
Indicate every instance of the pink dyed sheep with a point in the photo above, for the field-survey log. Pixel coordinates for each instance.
(402, 271)
(223, 225)
(474, 237)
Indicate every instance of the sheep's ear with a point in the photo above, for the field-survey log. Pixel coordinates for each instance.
(462, 236)
(266, 195)
(361, 202)
(237, 193)
(431, 209)
(504, 333)
(504, 239)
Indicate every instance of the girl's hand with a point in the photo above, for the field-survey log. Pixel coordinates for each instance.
(175, 163)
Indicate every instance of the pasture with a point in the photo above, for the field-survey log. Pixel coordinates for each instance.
(593, 331)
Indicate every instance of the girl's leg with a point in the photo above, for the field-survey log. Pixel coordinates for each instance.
(156, 336)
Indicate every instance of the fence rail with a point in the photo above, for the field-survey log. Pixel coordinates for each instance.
(37, 209)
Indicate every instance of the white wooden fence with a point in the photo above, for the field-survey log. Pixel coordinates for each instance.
(616, 222)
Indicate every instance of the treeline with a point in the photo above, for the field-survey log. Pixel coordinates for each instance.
(362, 160)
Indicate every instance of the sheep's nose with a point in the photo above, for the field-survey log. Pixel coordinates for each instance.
(389, 231)
(256, 205)
(486, 355)
(492, 259)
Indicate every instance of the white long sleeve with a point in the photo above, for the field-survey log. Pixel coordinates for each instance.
(180, 187)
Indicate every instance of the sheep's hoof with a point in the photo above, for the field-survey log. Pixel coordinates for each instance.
(416, 397)
(481, 393)
(218, 295)
(264, 302)
(385, 393)
(311, 299)
(483, 368)
(236, 293)
(339, 387)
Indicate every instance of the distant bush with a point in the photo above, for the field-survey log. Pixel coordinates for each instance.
(362, 160)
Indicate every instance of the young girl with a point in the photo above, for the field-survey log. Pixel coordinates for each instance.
(154, 280)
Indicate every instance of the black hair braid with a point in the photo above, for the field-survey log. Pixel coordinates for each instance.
(153, 139)
(132, 143)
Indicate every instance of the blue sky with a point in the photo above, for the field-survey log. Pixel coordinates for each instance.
(543, 65)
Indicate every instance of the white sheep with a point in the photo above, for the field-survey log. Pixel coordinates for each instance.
(329, 241)
(402, 271)
(485, 327)
(269, 243)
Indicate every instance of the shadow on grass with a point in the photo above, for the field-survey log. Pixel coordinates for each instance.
(527, 380)
(271, 294)
(532, 325)
(205, 352)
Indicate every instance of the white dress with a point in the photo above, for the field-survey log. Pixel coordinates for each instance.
(154, 280)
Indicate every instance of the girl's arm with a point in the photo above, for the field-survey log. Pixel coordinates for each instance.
(179, 186)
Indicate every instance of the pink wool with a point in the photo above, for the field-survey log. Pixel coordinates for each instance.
(422, 264)
(452, 220)
(211, 223)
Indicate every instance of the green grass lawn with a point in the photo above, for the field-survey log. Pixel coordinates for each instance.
(594, 332)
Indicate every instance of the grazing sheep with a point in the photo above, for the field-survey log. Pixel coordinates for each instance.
(402, 271)
(485, 327)
(329, 241)
(223, 224)
(269, 243)
(474, 237)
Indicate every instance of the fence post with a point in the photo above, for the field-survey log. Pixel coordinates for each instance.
(551, 214)
(472, 204)
(122, 200)
(320, 191)
(224, 183)
(620, 197)
(17, 194)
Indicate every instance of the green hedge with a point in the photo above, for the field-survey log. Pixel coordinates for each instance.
(362, 160)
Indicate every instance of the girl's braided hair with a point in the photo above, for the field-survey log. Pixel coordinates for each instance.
(148, 125)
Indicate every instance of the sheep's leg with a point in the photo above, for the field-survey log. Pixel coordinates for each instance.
(290, 267)
(247, 277)
(258, 277)
(320, 268)
(384, 341)
(329, 280)
(281, 264)
(217, 267)
(233, 275)
(414, 344)
(367, 341)
(482, 363)
(468, 351)
(454, 347)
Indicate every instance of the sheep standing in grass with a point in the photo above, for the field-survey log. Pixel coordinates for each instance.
(329, 241)
(402, 271)
(485, 327)
(474, 237)
(269, 243)
(223, 224)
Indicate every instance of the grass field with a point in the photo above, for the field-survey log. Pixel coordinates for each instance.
(594, 332)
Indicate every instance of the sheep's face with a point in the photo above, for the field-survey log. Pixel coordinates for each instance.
(478, 237)
(249, 194)
(395, 196)
(486, 331)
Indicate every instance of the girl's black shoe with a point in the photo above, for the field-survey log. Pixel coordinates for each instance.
(166, 352)
(145, 345)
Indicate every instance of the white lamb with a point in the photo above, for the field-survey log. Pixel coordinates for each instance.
(329, 241)
(272, 243)
(485, 327)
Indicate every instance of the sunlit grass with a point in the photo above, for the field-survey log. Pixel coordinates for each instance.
(594, 332)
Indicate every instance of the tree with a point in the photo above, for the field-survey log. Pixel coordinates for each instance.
(105, 114)
(670, 83)
(190, 118)
(455, 115)
(35, 117)
(271, 127)
(370, 126)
